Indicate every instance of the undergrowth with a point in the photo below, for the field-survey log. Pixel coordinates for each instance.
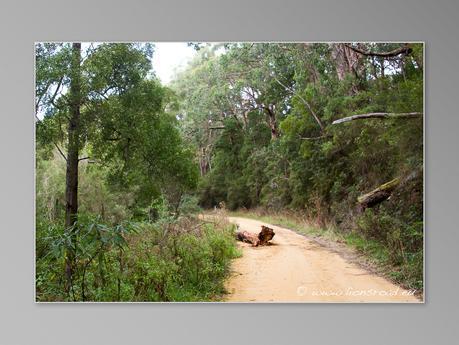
(184, 259)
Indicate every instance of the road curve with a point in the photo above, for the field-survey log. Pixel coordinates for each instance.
(296, 269)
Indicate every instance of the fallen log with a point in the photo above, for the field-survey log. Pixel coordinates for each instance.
(266, 234)
(247, 237)
(384, 191)
(378, 195)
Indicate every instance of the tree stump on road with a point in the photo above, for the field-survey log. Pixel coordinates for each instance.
(266, 234)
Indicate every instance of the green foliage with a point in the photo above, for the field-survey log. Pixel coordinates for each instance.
(92, 242)
(126, 128)
(169, 260)
(96, 195)
(187, 263)
(398, 226)
(317, 171)
(134, 166)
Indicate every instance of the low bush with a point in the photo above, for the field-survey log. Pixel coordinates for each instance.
(183, 259)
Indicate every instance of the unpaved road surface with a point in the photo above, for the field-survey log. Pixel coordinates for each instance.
(296, 269)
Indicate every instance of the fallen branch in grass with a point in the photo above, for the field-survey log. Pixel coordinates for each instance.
(378, 195)
(384, 191)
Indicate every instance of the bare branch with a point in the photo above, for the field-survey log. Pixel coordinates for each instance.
(319, 122)
(57, 90)
(405, 49)
(378, 116)
(60, 151)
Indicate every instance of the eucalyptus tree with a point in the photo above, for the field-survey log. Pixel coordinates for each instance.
(254, 72)
(242, 82)
(70, 90)
(101, 103)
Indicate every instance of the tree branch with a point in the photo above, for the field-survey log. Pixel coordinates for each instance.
(402, 50)
(317, 138)
(378, 116)
(60, 151)
(37, 105)
(51, 100)
(319, 122)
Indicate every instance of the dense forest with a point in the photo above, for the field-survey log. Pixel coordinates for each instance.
(331, 134)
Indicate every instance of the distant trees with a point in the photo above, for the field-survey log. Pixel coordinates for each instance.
(294, 91)
(267, 118)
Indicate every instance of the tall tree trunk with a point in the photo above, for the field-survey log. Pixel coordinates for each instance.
(73, 148)
(347, 61)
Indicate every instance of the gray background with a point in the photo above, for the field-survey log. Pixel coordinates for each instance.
(23, 322)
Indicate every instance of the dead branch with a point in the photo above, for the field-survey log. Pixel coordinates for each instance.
(60, 151)
(378, 195)
(378, 116)
(402, 50)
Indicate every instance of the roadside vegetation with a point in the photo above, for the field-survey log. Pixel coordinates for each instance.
(176, 257)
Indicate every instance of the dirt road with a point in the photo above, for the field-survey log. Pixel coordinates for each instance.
(296, 269)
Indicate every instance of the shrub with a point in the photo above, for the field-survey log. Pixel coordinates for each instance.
(173, 259)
